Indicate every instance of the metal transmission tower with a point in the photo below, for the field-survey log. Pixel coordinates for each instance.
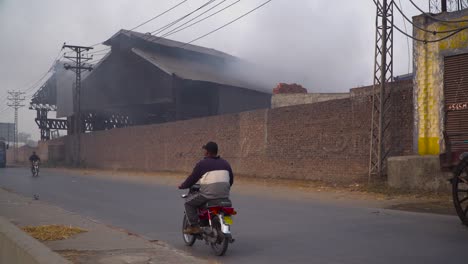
(80, 65)
(380, 142)
(437, 6)
(15, 99)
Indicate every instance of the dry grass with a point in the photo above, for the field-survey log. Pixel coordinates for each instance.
(52, 232)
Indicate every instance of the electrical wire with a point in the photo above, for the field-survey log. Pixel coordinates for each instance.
(227, 24)
(34, 84)
(154, 33)
(159, 15)
(419, 27)
(161, 29)
(96, 44)
(406, 31)
(199, 21)
(149, 20)
(204, 12)
(4, 110)
(97, 51)
(434, 18)
(59, 56)
(100, 54)
(429, 41)
(29, 93)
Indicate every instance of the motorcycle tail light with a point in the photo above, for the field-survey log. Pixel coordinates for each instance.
(214, 210)
(229, 211)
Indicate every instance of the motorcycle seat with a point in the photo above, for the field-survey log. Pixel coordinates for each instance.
(225, 202)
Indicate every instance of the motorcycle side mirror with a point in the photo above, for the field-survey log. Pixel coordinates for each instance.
(184, 195)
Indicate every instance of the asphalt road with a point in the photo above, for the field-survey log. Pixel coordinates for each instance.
(267, 230)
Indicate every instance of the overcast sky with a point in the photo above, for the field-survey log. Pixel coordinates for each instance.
(325, 45)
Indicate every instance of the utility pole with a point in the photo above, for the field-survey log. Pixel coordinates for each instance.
(380, 141)
(437, 6)
(444, 5)
(434, 6)
(79, 59)
(15, 99)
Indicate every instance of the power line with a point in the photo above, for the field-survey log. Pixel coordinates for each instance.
(161, 29)
(149, 20)
(199, 21)
(57, 58)
(34, 84)
(96, 44)
(429, 41)
(406, 31)
(204, 12)
(99, 54)
(419, 27)
(30, 92)
(5, 109)
(97, 51)
(434, 18)
(159, 15)
(227, 24)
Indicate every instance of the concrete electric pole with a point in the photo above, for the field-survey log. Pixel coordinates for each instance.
(79, 59)
(15, 99)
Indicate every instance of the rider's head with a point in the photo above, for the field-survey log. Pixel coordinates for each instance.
(34, 152)
(211, 149)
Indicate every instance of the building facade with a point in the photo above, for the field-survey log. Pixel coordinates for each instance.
(441, 80)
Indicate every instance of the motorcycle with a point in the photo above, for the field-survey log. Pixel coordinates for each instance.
(35, 168)
(215, 222)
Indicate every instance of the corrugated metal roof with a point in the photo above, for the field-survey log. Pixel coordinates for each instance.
(199, 71)
(169, 43)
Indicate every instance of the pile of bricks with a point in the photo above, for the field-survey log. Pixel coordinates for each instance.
(284, 88)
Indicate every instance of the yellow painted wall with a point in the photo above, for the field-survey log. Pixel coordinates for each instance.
(428, 61)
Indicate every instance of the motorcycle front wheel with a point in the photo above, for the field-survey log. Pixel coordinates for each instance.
(460, 191)
(189, 240)
(221, 245)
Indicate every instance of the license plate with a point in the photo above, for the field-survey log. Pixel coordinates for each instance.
(228, 220)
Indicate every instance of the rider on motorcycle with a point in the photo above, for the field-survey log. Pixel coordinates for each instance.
(34, 158)
(215, 177)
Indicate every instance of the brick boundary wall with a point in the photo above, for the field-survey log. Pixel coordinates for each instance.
(326, 141)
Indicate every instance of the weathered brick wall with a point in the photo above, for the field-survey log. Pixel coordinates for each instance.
(282, 100)
(326, 141)
(24, 152)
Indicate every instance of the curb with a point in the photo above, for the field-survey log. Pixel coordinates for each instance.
(18, 247)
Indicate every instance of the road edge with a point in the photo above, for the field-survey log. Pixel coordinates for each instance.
(18, 247)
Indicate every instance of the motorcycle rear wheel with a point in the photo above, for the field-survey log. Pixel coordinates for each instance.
(219, 247)
(189, 240)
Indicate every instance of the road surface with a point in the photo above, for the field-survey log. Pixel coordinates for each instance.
(267, 229)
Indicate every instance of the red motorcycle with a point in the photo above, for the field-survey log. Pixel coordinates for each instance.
(215, 222)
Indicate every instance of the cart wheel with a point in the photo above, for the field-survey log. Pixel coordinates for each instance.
(460, 190)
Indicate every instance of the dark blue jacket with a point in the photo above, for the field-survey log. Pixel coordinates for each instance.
(214, 175)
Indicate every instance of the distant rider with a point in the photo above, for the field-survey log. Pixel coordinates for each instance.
(215, 177)
(34, 157)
